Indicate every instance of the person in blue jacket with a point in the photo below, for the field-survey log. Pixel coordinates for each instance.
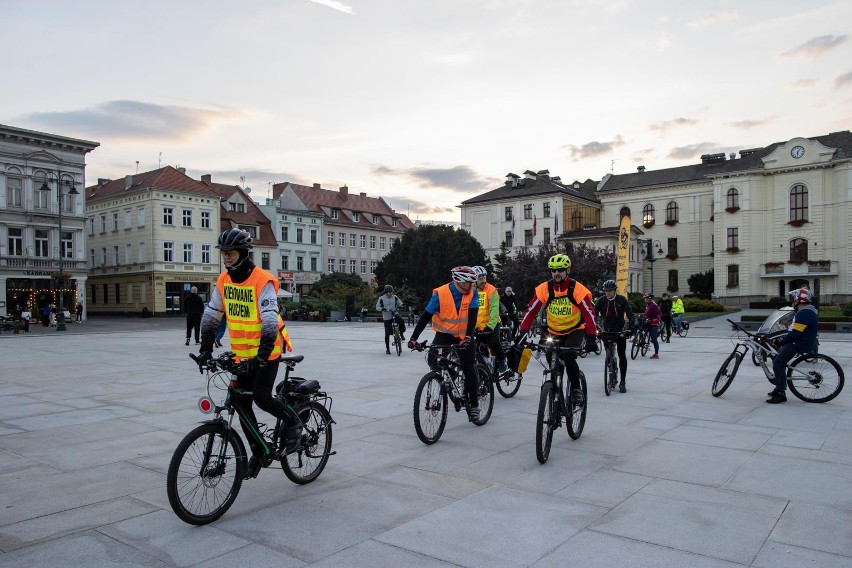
(801, 338)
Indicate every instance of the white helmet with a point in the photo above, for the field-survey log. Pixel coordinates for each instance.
(480, 271)
(463, 274)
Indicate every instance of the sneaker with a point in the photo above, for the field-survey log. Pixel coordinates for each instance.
(387, 351)
(473, 414)
(187, 342)
(254, 465)
(198, 343)
(576, 397)
(622, 387)
(502, 366)
(655, 356)
(293, 438)
(777, 397)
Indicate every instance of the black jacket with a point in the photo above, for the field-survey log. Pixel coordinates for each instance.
(193, 305)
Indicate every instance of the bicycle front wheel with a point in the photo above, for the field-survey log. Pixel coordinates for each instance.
(430, 408)
(508, 384)
(815, 378)
(205, 474)
(577, 412)
(305, 465)
(634, 348)
(608, 372)
(397, 343)
(665, 333)
(545, 422)
(646, 342)
(486, 394)
(684, 329)
(726, 373)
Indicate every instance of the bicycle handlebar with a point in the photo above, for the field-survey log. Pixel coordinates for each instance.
(225, 362)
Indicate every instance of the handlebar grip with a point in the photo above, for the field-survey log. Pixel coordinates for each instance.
(194, 357)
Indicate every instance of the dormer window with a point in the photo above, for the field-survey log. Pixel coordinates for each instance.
(394, 222)
(356, 216)
(375, 219)
(250, 229)
(335, 213)
(238, 207)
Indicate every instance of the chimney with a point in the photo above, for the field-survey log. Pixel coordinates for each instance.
(344, 191)
(128, 182)
(207, 178)
(641, 169)
(103, 181)
(182, 170)
(363, 194)
(732, 156)
(317, 186)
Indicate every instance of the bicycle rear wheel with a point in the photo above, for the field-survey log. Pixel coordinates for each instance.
(684, 328)
(545, 422)
(577, 412)
(430, 408)
(486, 394)
(665, 333)
(646, 342)
(726, 373)
(608, 371)
(307, 464)
(634, 348)
(205, 474)
(508, 384)
(815, 378)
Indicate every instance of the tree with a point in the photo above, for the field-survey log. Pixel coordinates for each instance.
(702, 284)
(331, 290)
(500, 259)
(422, 259)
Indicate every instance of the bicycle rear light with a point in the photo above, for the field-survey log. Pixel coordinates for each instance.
(205, 405)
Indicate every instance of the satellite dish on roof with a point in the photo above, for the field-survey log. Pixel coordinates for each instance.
(247, 190)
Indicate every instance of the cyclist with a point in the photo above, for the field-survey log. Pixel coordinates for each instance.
(666, 309)
(801, 338)
(653, 315)
(488, 317)
(453, 310)
(677, 314)
(612, 310)
(510, 301)
(390, 304)
(570, 316)
(247, 296)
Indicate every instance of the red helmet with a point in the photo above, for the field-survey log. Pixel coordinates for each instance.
(463, 274)
(801, 296)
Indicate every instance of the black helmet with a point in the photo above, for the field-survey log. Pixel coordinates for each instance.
(234, 239)
(388, 288)
(609, 285)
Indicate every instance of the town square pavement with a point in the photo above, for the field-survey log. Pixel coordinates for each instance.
(664, 475)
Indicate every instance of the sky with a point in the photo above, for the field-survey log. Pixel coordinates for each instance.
(425, 103)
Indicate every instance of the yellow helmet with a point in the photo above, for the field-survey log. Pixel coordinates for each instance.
(559, 261)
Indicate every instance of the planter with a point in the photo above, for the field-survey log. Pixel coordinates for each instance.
(732, 209)
(797, 222)
(671, 256)
(732, 249)
(671, 222)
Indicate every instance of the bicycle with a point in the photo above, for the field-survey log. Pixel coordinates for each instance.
(443, 384)
(508, 382)
(611, 376)
(665, 331)
(684, 328)
(552, 406)
(811, 377)
(397, 335)
(208, 466)
(642, 339)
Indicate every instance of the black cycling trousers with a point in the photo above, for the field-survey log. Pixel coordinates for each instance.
(389, 328)
(571, 339)
(466, 358)
(260, 384)
(492, 340)
(621, 349)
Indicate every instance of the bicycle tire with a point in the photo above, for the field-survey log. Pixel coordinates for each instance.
(397, 343)
(305, 465)
(508, 384)
(608, 371)
(684, 329)
(545, 422)
(486, 393)
(634, 348)
(576, 418)
(726, 375)
(756, 358)
(430, 408)
(646, 343)
(197, 496)
(825, 377)
(665, 333)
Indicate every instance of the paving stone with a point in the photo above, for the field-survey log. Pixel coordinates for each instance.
(704, 465)
(779, 555)
(87, 549)
(817, 527)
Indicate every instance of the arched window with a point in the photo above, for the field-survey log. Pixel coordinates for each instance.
(799, 203)
(733, 198)
(672, 212)
(625, 212)
(576, 220)
(648, 215)
(798, 250)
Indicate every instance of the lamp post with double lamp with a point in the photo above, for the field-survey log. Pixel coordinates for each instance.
(648, 252)
(60, 281)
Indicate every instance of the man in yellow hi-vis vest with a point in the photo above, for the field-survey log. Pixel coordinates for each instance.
(247, 296)
(489, 316)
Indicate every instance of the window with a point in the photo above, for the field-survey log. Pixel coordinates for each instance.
(187, 217)
(528, 237)
(733, 238)
(264, 260)
(91, 257)
(363, 267)
(168, 216)
(331, 265)
(66, 244)
(341, 239)
(373, 242)
(90, 226)
(546, 236)
(250, 229)
(576, 220)
(798, 250)
(507, 213)
(206, 251)
(375, 219)
(128, 219)
(299, 233)
(351, 239)
(237, 207)
(117, 293)
(103, 224)
(528, 211)
(313, 264)
(352, 266)
(733, 197)
(363, 241)
(356, 216)
(115, 220)
(799, 203)
(672, 248)
(313, 236)
(41, 244)
(16, 241)
(672, 212)
(394, 222)
(335, 213)
(285, 261)
(546, 207)
(14, 192)
(187, 252)
(341, 265)
(373, 265)
(103, 256)
(648, 215)
(106, 293)
(128, 254)
(94, 294)
(168, 252)
(508, 238)
(42, 198)
(382, 243)
(733, 275)
(285, 233)
(141, 252)
(331, 238)
(115, 260)
(205, 219)
(140, 217)
(672, 280)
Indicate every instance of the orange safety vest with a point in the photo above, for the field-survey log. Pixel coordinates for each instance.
(563, 313)
(448, 319)
(483, 317)
(243, 315)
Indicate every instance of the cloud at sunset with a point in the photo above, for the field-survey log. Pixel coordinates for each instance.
(458, 178)
(594, 149)
(816, 46)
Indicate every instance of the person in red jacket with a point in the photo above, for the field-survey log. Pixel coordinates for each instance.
(654, 316)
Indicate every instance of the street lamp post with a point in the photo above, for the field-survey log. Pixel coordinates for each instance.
(60, 316)
(649, 255)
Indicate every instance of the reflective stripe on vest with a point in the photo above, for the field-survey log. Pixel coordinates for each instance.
(562, 315)
(243, 316)
(447, 319)
(483, 316)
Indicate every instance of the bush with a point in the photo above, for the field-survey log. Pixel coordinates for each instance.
(697, 305)
(773, 304)
(847, 309)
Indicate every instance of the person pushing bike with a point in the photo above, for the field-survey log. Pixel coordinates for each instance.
(453, 310)
(613, 309)
(510, 301)
(489, 317)
(390, 304)
(801, 338)
(247, 296)
(570, 316)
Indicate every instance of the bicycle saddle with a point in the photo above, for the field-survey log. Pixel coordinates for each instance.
(293, 358)
(302, 386)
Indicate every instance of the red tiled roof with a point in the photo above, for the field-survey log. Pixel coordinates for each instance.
(166, 178)
(251, 216)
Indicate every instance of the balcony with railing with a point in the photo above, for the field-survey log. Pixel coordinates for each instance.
(804, 268)
(46, 264)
